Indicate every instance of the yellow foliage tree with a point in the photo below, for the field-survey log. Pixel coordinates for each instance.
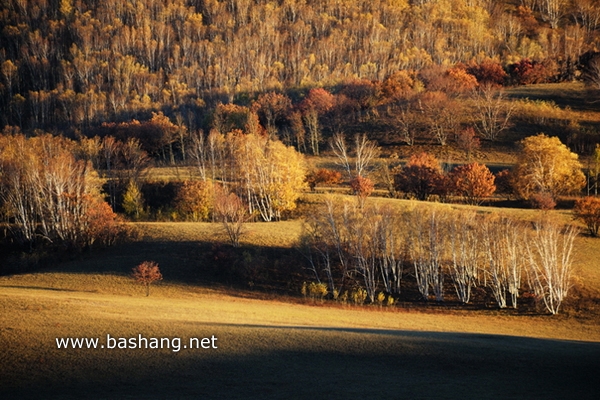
(196, 199)
(547, 166)
(133, 201)
(271, 174)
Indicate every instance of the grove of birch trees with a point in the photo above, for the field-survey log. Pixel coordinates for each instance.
(440, 250)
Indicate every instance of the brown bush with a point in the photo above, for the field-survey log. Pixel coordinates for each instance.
(323, 176)
(542, 201)
(587, 209)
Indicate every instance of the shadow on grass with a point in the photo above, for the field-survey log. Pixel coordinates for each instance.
(271, 362)
(204, 263)
(43, 288)
(579, 99)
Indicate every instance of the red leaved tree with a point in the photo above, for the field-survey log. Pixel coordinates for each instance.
(146, 273)
(362, 188)
(420, 176)
(323, 176)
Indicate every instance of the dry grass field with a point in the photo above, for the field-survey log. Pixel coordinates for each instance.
(275, 349)
(272, 346)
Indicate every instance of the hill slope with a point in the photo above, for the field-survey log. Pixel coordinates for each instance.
(270, 349)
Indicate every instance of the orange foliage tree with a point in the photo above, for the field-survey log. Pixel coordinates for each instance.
(473, 182)
(488, 72)
(587, 209)
(420, 177)
(362, 188)
(323, 176)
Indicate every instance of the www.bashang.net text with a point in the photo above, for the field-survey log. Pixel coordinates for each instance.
(139, 342)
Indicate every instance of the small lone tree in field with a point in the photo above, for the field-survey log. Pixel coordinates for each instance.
(233, 214)
(146, 273)
(362, 188)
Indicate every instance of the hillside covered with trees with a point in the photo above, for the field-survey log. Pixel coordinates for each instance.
(237, 91)
(75, 64)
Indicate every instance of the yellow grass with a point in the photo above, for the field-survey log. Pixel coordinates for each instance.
(296, 350)
(271, 347)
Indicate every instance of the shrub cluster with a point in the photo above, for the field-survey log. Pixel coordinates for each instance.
(422, 177)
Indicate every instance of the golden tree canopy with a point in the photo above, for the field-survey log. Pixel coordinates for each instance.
(271, 174)
(546, 165)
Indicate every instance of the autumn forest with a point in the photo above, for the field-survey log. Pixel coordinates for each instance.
(397, 197)
(237, 92)
(71, 65)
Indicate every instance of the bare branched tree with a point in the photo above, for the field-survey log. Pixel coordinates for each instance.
(550, 262)
(389, 244)
(512, 238)
(464, 248)
(364, 152)
(233, 214)
(427, 250)
(492, 112)
(495, 261)
(198, 152)
(404, 121)
(338, 146)
(325, 242)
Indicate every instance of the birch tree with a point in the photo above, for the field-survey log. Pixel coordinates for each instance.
(270, 174)
(494, 265)
(549, 251)
(492, 112)
(464, 245)
(49, 193)
(427, 248)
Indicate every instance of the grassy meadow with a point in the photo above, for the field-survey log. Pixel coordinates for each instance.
(278, 346)
(274, 344)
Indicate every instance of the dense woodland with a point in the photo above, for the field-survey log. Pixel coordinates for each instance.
(71, 65)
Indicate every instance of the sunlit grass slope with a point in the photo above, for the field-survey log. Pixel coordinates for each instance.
(275, 347)
(272, 349)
